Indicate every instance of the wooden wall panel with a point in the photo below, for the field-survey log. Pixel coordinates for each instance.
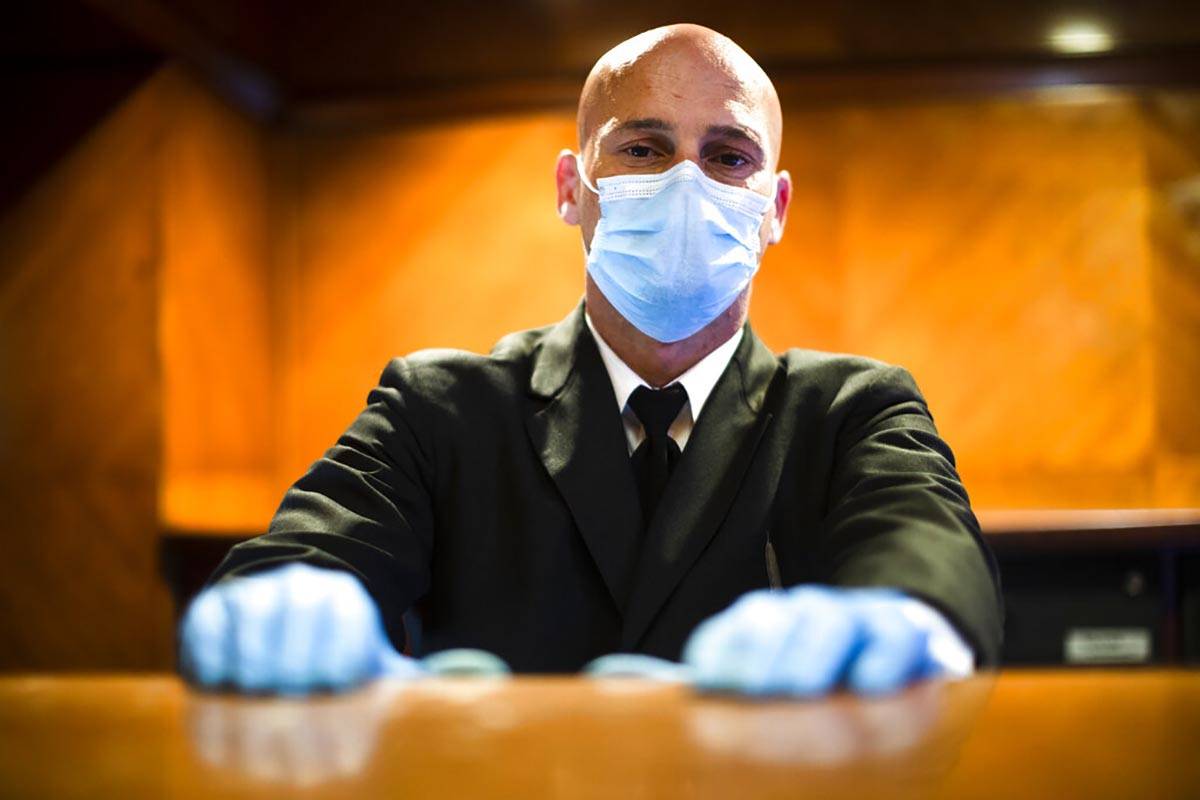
(443, 236)
(800, 290)
(1172, 145)
(136, 353)
(192, 309)
(996, 247)
(79, 404)
(219, 403)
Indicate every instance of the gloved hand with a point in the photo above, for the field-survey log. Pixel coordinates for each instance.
(636, 665)
(292, 630)
(807, 640)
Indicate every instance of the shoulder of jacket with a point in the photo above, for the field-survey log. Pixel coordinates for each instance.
(520, 345)
(798, 360)
(846, 373)
(442, 369)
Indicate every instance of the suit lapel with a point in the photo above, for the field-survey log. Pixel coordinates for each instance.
(574, 425)
(704, 482)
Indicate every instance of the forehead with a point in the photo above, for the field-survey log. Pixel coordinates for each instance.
(692, 92)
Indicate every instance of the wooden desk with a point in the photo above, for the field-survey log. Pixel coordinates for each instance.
(1023, 734)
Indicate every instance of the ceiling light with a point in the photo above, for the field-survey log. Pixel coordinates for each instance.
(1080, 37)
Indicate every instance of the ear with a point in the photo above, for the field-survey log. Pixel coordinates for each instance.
(566, 178)
(783, 199)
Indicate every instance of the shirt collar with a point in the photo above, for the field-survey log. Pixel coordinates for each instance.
(698, 381)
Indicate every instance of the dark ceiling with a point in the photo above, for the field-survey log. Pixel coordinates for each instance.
(359, 60)
(64, 67)
(322, 48)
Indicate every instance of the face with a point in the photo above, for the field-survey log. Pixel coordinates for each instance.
(668, 107)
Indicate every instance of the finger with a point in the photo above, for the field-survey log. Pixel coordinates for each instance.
(205, 641)
(947, 653)
(297, 639)
(726, 651)
(254, 608)
(824, 639)
(736, 652)
(893, 652)
(765, 632)
(636, 665)
(466, 662)
(349, 635)
(704, 650)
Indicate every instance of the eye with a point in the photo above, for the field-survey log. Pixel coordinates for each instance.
(732, 159)
(639, 151)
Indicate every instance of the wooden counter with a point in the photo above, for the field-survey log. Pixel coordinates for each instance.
(1088, 734)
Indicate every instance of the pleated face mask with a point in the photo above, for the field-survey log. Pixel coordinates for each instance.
(673, 250)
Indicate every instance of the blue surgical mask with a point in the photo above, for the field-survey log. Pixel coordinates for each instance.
(674, 249)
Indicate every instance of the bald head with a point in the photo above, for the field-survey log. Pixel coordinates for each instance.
(681, 64)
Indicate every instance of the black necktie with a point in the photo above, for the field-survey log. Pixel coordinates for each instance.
(655, 457)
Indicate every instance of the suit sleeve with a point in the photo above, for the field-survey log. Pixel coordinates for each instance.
(898, 514)
(365, 507)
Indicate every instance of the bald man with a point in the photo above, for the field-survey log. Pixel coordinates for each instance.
(642, 478)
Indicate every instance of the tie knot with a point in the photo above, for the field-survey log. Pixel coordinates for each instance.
(656, 409)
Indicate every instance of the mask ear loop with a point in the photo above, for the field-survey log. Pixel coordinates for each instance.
(776, 231)
(583, 178)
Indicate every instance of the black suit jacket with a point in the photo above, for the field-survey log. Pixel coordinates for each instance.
(494, 496)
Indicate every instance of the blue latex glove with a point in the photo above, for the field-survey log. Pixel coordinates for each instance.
(809, 639)
(291, 630)
(636, 665)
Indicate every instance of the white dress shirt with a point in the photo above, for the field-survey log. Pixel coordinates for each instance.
(947, 648)
(698, 381)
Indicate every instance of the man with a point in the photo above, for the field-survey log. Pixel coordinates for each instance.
(644, 477)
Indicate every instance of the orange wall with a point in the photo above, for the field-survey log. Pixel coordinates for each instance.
(1171, 131)
(135, 348)
(80, 425)
(444, 236)
(1016, 254)
(997, 248)
(215, 330)
(192, 309)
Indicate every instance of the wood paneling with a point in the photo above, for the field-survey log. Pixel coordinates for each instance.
(193, 309)
(79, 402)
(998, 248)
(219, 403)
(440, 236)
(135, 312)
(1172, 143)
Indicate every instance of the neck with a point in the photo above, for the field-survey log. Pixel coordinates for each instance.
(655, 362)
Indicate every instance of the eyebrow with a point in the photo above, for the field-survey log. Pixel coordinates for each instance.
(735, 132)
(646, 124)
(656, 124)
